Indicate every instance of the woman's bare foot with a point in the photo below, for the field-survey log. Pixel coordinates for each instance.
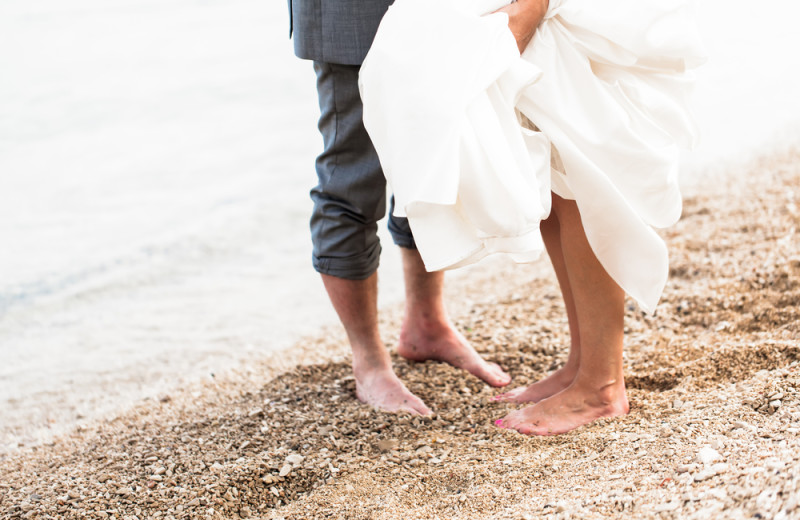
(382, 389)
(565, 411)
(441, 342)
(549, 386)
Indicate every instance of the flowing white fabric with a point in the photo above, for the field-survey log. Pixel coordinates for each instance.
(606, 82)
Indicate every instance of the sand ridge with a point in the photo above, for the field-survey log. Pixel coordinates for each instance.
(713, 378)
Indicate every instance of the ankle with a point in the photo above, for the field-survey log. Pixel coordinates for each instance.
(425, 320)
(602, 392)
(368, 365)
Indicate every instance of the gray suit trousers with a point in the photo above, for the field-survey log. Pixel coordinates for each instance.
(351, 195)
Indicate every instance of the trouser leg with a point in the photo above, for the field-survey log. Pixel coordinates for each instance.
(351, 195)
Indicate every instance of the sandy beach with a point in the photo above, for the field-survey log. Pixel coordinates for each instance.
(713, 379)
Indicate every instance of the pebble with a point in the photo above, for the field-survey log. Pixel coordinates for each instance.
(704, 475)
(719, 468)
(385, 445)
(295, 459)
(424, 449)
(707, 455)
(667, 506)
(285, 470)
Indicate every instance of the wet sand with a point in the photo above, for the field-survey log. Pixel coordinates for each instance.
(713, 382)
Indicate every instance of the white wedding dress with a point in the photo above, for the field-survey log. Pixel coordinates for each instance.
(449, 102)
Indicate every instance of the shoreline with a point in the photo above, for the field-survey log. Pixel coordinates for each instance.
(284, 437)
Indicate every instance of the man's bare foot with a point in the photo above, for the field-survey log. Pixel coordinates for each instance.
(568, 410)
(382, 389)
(550, 385)
(442, 342)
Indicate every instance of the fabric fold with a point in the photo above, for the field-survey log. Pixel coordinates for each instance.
(603, 87)
(439, 87)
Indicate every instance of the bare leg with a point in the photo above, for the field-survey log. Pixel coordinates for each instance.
(356, 302)
(563, 377)
(599, 386)
(427, 333)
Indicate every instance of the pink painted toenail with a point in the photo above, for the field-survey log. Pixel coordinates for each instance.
(499, 422)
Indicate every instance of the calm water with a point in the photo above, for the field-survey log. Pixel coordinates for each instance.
(155, 160)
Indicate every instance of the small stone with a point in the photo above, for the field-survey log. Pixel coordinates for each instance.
(722, 326)
(703, 475)
(217, 467)
(719, 467)
(285, 470)
(295, 459)
(775, 404)
(385, 445)
(707, 455)
(677, 404)
(667, 506)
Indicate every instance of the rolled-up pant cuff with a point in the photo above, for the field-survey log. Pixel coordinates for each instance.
(359, 267)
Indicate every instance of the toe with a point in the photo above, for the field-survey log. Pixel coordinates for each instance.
(416, 407)
(508, 396)
(511, 421)
(491, 373)
(501, 378)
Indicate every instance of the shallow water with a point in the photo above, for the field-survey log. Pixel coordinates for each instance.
(155, 160)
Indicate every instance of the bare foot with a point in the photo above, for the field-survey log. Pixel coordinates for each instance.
(568, 410)
(382, 389)
(551, 385)
(443, 343)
